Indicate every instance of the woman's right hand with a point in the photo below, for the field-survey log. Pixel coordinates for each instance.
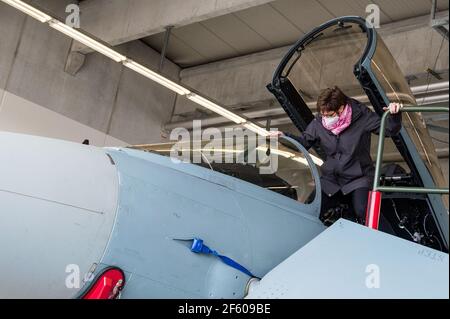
(394, 108)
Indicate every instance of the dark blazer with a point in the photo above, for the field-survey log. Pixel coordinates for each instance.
(348, 164)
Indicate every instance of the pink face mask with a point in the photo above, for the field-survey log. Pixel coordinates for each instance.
(337, 124)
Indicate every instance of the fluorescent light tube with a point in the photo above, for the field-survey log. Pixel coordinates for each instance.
(316, 160)
(216, 108)
(156, 77)
(86, 40)
(293, 157)
(257, 129)
(300, 160)
(27, 9)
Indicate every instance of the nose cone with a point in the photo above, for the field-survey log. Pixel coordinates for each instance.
(58, 202)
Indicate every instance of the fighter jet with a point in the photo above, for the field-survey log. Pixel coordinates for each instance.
(79, 221)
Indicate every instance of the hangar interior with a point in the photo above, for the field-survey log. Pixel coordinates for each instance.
(226, 50)
(126, 76)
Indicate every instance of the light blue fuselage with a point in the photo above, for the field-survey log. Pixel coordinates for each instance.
(163, 204)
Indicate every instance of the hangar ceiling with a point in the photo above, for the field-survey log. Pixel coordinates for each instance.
(272, 25)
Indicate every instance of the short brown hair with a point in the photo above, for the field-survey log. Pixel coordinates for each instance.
(330, 100)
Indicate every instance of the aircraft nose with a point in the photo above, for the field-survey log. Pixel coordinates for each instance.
(58, 204)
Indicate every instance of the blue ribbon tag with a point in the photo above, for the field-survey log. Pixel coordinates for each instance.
(199, 247)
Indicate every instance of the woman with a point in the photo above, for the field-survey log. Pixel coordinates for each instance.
(342, 129)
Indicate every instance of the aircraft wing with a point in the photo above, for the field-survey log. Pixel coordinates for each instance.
(352, 261)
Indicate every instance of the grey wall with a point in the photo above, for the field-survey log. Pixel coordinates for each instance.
(103, 95)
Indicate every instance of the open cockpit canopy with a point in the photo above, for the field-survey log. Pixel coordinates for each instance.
(348, 53)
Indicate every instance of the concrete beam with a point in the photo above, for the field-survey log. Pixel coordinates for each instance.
(242, 81)
(120, 21)
(75, 60)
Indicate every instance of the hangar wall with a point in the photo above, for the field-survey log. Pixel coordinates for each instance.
(102, 99)
(22, 116)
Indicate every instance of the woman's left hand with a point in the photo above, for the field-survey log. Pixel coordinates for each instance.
(394, 108)
(274, 134)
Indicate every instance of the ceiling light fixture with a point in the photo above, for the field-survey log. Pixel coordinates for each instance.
(216, 108)
(27, 9)
(256, 129)
(156, 77)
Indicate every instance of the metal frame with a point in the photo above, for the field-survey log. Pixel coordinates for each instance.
(438, 24)
(167, 35)
(304, 41)
(379, 161)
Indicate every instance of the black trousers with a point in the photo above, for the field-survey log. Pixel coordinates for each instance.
(357, 200)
